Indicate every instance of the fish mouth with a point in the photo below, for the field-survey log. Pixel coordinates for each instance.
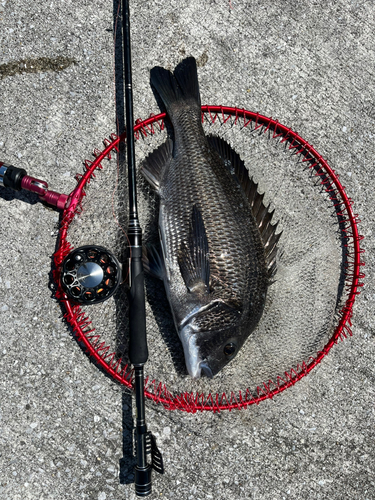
(194, 363)
(197, 369)
(206, 369)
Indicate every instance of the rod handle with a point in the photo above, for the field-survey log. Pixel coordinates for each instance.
(138, 352)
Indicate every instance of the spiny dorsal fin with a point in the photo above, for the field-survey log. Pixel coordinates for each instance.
(193, 257)
(261, 213)
(156, 163)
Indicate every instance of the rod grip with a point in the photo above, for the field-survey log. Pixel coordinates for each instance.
(138, 352)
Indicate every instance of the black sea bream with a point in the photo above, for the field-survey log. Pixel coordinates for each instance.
(218, 243)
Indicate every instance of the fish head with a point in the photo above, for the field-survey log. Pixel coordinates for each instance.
(211, 338)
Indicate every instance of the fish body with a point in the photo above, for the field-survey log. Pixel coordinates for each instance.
(215, 264)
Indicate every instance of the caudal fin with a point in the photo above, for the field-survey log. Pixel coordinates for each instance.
(179, 86)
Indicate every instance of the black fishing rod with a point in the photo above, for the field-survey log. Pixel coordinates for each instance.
(17, 179)
(138, 352)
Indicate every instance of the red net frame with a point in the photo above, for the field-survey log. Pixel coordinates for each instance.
(106, 358)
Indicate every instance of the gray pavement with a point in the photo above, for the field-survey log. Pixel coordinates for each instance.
(64, 425)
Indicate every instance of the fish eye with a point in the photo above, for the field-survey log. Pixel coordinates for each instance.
(230, 349)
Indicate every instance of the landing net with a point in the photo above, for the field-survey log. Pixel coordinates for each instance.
(309, 307)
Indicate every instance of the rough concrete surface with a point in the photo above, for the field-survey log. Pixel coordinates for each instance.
(65, 427)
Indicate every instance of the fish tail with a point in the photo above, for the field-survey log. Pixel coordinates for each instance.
(187, 78)
(182, 85)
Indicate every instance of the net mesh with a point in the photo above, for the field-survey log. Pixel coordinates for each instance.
(304, 305)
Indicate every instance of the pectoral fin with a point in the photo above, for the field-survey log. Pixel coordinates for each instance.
(153, 262)
(193, 257)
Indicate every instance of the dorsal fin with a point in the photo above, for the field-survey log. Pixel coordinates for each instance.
(261, 213)
(193, 257)
(156, 163)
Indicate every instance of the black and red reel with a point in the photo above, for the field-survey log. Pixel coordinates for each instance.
(90, 274)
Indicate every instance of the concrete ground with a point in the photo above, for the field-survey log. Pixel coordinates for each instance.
(65, 426)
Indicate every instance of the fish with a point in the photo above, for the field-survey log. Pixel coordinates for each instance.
(218, 245)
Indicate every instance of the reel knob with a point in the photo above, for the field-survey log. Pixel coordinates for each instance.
(90, 274)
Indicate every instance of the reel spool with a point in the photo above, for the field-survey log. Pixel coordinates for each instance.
(90, 274)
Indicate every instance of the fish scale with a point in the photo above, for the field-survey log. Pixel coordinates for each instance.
(216, 299)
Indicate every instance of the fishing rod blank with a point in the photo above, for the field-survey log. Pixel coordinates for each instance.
(138, 352)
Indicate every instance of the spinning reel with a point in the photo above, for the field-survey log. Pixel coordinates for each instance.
(90, 274)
